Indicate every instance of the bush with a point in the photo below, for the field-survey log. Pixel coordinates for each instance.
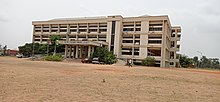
(110, 58)
(53, 57)
(104, 55)
(149, 61)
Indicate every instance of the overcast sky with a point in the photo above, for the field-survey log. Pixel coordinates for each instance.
(199, 19)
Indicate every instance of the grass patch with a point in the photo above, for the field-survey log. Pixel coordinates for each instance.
(53, 58)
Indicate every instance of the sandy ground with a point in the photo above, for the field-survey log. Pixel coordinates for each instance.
(22, 80)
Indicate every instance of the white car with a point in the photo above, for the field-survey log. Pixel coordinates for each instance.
(96, 61)
(19, 55)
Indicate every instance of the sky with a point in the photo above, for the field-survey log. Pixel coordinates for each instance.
(199, 19)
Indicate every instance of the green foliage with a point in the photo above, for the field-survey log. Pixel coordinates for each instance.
(54, 39)
(209, 62)
(110, 58)
(149, 61)
(185, 61)
(27, 49)
(204, 62)
(53, 57)
(104, 55)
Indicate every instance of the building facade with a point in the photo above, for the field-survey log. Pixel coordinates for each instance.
(126, 37)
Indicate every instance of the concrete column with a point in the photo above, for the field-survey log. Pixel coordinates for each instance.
(74, 51)
(77, 49)
(67, 38)
(81, 48)
(93, 49)
(49, 28)
(41, 38)
(70, 52)
(132, 52)
(66, 50)
(89, 51)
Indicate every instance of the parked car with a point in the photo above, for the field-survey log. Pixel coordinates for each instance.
(86, 60)
(96, 61)
(19, 55)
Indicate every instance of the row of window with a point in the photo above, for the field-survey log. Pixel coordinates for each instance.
(75, 30)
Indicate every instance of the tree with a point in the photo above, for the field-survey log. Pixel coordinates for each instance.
(215, 63)
(54, 40)
(26, 50)
(196, 61)
(149, 61)
(205, 62)
(110, 58)
(104, 55)
(185, 61)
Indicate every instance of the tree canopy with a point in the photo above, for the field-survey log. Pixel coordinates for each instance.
(203, 62)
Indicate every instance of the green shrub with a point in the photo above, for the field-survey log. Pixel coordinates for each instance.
(104, 55)
(149, 61)
(53, 57)
(110, 58)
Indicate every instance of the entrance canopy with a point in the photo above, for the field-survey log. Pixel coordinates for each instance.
(85, 43)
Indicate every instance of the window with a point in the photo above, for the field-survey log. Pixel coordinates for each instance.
(37, 30)
(155, 24)
(73, 30)
(178, 46)
(155, 29)
(172, 44)
(102, 30)
(112, 36)
(92, 30)
(128, 29)
(154, 41)
(38, 27)
(127, 41)
(171, 55)
(54, 30)
(63, 30)
(36, 39)
(138, 29)
(154, 51)
(154, 37)
(171, 63)
(45, 30)
(136, 51)
(82, 30)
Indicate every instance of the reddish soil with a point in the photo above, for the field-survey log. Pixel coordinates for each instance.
(22, 80)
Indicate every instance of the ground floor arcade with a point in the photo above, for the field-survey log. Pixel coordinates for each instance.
(78, 51)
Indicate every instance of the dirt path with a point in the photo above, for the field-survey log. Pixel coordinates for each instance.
(22, 80)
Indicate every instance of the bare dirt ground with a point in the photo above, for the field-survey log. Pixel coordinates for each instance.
(22, 80)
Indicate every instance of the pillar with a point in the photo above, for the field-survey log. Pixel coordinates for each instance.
(77, 49)
(89, 51)
(66, 50)
(81, 48)
(70, 52)
(93, 49)
(41, 38)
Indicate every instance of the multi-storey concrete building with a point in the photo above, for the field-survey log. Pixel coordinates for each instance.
(126, 37)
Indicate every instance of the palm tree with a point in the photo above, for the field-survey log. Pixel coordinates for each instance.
(54, 40)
